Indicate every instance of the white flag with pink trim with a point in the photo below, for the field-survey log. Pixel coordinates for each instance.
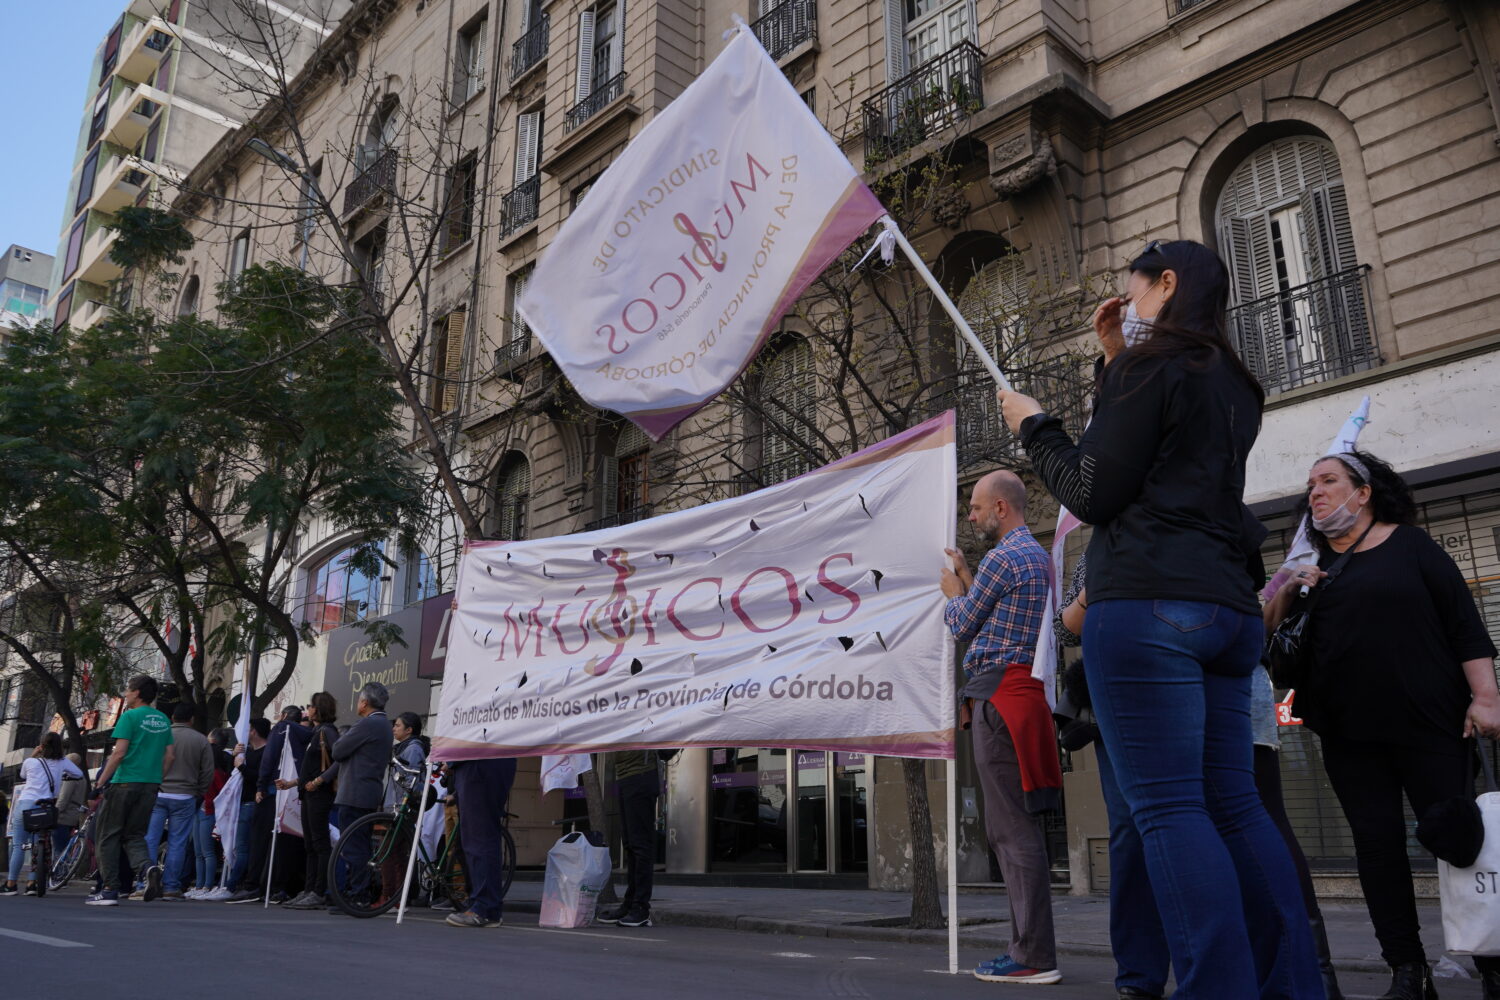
(680, 262)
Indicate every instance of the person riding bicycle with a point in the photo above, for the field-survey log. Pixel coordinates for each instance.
(42, 776)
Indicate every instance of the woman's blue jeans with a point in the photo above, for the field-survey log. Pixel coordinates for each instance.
(1170, 683)
(1135, 932)
(205, 851)
(19, 841)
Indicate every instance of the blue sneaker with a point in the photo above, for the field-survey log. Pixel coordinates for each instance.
(103, 897)
(1007, 970)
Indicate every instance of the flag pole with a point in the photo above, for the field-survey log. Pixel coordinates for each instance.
(942, 296)
(271, 862)
(416, 838)
(952, 767)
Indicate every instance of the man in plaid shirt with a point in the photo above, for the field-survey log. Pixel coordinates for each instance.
(1000, 613)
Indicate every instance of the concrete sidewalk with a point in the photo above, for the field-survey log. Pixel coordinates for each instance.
(866, 914)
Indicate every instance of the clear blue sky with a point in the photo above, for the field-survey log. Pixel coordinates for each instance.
(44, 66)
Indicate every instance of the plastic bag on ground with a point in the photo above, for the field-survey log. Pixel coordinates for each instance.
(576, 873)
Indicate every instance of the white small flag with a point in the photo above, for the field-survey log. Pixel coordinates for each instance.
(227, 819)
(679, 264)
(288, 806)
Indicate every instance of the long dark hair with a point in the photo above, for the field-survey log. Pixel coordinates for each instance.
(1391, 501)
(50, 748)
(1191, 323)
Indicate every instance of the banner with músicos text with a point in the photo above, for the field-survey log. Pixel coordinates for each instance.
(804, 615)
(684, 255)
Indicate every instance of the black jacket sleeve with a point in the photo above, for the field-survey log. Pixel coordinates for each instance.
(1101, 475)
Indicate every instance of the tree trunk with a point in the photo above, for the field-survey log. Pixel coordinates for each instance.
(926, 904)
(593, 792)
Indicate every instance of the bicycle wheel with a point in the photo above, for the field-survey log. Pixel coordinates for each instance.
(507, 858)
(65, 865)
(41, 857)
(354, 868)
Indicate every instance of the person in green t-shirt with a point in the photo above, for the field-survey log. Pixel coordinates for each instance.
(142, 753)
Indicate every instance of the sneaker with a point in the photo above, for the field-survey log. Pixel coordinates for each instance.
(103, 897)
(218, 895)
(306, 901)
(10, 889)
(153, 883)
(469, 918)
(175, 894)
(138, 893)
(1007, 970)
(278, 897)
(612, 916)
(31, 888)
(635, 918)
(243, 896)
(443, 904)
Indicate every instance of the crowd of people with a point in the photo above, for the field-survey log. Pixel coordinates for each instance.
(1207, 879)
(1208, 882)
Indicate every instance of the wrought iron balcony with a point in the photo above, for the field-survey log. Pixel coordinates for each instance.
(514, 350)
(530, 48)
(619, 517)
(787, 25)
(377, 178)
(520, 205)
(1307, 334)
(770, 473)
(591, 105)
(933, 97)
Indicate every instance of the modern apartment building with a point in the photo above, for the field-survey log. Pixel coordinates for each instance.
(1341, 156)
(166, 82)
(23, 285)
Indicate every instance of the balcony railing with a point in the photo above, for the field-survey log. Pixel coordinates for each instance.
(1308, 334)
(1061, 382)
(591, 105)
(936, 95)
(530, 48)
(620, 517)
(787, 25)
(770, 473)
(520, 205)
(377, 178)
(514, 350)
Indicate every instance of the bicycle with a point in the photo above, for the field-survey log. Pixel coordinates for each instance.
(77, 857)
(40, 850)
(360, 892)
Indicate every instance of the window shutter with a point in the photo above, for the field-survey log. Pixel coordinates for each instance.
(525, 17)
(1329, 235)
(585, 56)
(518, 327)
(617, 50)
(609, 485)
(477, 57)
(895, 40)
(527, 128)
(453, 361)
(1251, 331)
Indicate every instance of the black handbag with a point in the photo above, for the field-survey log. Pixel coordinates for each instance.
(42, 815)
(1289, 649)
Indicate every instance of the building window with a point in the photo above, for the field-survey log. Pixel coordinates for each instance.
(1299, 294)
(339, 592)
(239, 254)
(579, 193)
(625, 479)
(369, 264)
(458, 206)
(64, 307)
(920, 30)
(518, 341)
(421, 577)
(468, 60)
(151, 144)
(307, 207)
(996, 305)
(86, 181)
(111, 52)
(788, 409)
(447, 361)
(188, 306)
(163, 78)
(512, 498)
(75, 249)
(100, 116)
(380, 131)
(600, 54)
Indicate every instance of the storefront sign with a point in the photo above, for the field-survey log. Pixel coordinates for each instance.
(355, 659)
(433, 653)
(806, 615)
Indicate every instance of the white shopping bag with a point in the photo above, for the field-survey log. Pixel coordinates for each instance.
(576, 873)
(1471, 896)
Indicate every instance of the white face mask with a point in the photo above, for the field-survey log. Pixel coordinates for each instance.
(1337, 522)
(1133, 328)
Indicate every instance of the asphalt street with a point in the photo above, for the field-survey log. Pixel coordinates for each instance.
(163, 950)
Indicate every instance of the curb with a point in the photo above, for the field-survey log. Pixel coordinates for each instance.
(898, 935)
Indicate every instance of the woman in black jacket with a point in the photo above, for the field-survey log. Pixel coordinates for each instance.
(1403, 671)
(317, 802)
(1173, 630)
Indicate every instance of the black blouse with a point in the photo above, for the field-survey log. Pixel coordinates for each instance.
(1389, 637)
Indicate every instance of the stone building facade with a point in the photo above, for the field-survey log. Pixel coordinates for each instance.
(1341, 157)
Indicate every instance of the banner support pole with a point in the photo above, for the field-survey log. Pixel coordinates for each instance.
(947, 303)
(416, 838)
(952, 769)
(271, 861)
